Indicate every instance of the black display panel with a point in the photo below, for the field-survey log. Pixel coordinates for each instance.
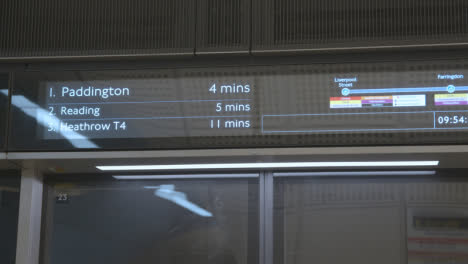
(383, 103)
(3, 108)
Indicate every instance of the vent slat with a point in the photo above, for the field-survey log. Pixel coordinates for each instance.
(32, 28)
(223, 25)
(89, 27)
(357, 23)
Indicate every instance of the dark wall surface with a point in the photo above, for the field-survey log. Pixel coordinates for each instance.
(9, 206)
(46, 28)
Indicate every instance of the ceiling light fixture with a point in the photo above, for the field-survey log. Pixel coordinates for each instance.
(270, 165)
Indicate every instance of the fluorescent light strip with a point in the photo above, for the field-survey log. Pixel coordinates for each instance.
(354, 173)
(271, 165)
(188, 176)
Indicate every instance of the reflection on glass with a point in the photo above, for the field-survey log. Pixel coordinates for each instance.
(370, 220)
(206, 221)
(4, 93)
(44, 118)
(438, 234)
(9, 206)
(167, 192)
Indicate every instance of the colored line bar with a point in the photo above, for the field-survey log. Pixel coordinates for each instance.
(405, 90)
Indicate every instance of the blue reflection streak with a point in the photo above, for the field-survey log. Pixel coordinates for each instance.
(42, 116)
(167, 192)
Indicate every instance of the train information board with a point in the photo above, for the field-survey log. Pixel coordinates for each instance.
(383, 103)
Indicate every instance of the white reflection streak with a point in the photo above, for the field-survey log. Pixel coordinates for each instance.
(167, 192)
(42, 116)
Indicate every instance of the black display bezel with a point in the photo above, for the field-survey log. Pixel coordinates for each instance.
(4, 110)
(19, 140)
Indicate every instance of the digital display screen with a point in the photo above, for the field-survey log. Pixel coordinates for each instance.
(251, 106)
(438, 223)
(3, 108)
(149, 108)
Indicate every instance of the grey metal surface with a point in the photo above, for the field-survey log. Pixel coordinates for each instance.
(29, 220)
(114, 57)
(450, 156)
(63, 30)
(262, 215)
(371, 47)
(223, 26)
(268, 218)
(240, 152)
(303, 24)
(95, 28)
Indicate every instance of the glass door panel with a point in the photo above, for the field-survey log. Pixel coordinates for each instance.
(151, 219)
(371, 218)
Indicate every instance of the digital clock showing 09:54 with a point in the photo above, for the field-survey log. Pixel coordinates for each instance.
(452, 119)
